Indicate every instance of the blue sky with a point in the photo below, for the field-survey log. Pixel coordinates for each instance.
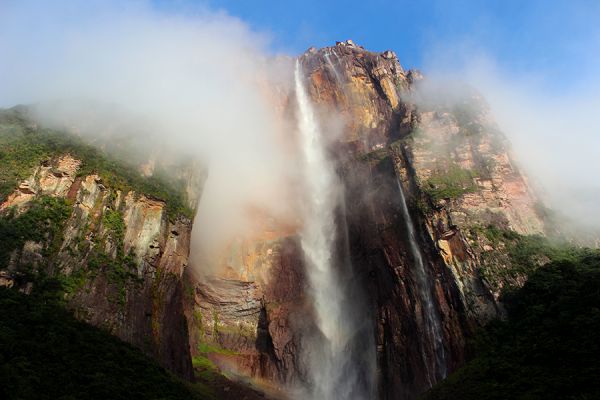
(558, 41)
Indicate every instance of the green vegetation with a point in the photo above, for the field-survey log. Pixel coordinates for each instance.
(215, 331)
(206, 348)
(45, 353)
(198, 320)
(23, 147)
(113, 221)
(450, 183)
(42, 222)
(548, 348)
(17, 157)
(521, 255)
(205, 369)
(74, 281)
(120, 270)
(202, 362)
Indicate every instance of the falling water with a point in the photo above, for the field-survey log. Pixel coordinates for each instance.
(338, 77)
(338, 368)
(430, 314)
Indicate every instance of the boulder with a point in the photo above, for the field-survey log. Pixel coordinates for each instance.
(388, 55)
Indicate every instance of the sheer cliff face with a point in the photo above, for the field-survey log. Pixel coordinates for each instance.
(117, 253)
(453, 166)
(454, 169)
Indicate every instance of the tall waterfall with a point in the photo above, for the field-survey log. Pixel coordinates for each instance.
(341, 359)
(430, 317)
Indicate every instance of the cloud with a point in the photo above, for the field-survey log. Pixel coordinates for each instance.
(554, 127)
(201, 83)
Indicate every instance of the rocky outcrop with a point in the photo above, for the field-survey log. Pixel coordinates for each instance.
(119, 255)
(250, 312)
(50, 179)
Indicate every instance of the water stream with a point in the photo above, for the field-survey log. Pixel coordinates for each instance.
(338, 77)
(338, 365)
(430, 318)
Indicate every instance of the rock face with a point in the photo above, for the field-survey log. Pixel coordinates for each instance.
(119, 254)
(456, 176)
(456, 173)
(423, 182)
(254, 307)
(49, 179)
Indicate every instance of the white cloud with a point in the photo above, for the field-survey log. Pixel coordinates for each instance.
(554, 128)
(198, 80)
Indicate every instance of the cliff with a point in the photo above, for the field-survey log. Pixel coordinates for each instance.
(450, 167)
(432, 197)
(97, 229)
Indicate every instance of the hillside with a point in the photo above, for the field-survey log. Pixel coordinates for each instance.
(547, 348)
(47, 354)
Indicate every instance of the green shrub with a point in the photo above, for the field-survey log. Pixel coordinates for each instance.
(518, 255)
(450, 184)
(42, 222)
(113, 221)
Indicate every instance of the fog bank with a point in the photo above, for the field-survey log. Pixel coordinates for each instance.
(198, 84)
(554, 131)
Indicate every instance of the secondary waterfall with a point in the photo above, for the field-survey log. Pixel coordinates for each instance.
(341, 359)
(338, 77)
(431, 317)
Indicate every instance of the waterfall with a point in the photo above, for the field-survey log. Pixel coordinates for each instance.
(430, 317)
(338, 78)
(341, 360)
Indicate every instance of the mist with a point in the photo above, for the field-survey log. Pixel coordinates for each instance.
(200, 85)
(554, 131)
